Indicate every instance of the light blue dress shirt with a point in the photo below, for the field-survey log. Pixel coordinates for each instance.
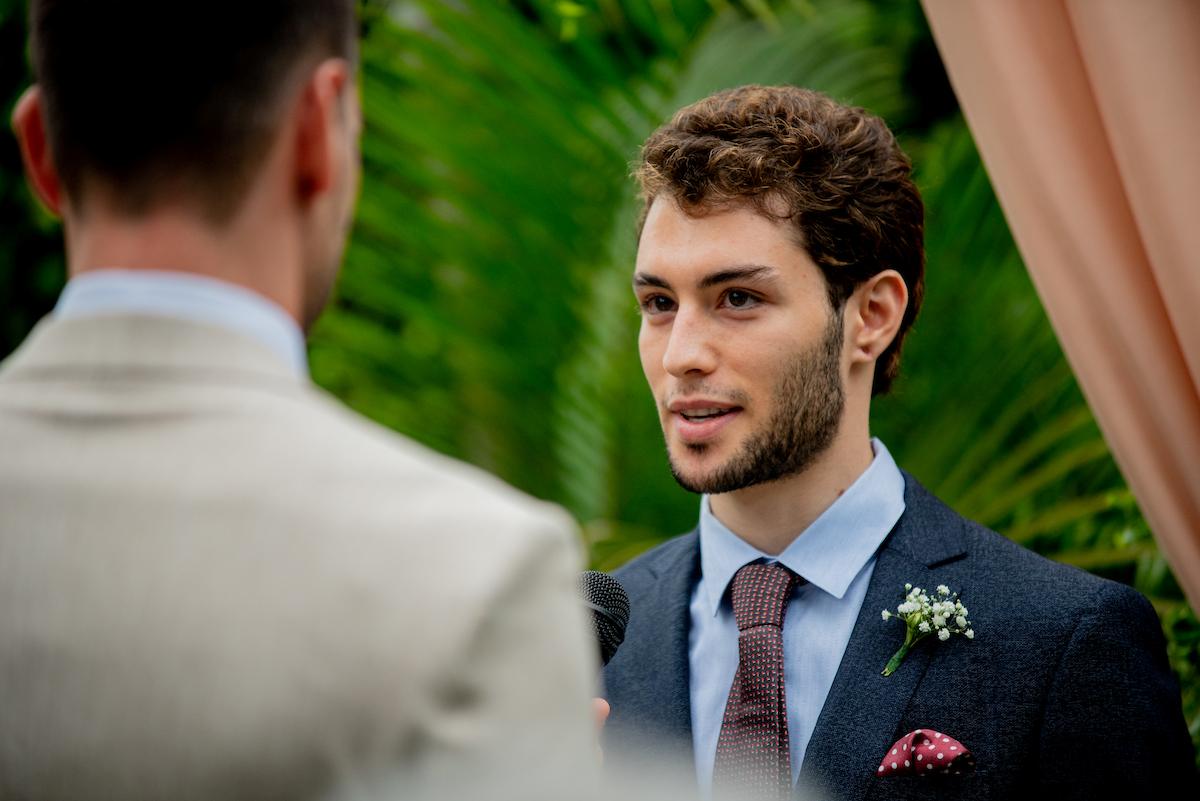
(186, 296)
(836, 554)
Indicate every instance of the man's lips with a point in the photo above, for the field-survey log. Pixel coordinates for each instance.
(700, 419)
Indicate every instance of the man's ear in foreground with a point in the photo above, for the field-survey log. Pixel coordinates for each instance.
(29, 125)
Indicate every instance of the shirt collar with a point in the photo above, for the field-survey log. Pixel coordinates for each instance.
(186, 296)
(831, 551)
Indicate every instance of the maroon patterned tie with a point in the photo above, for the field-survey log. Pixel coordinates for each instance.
(752, 749)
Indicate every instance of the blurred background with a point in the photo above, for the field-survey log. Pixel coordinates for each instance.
(485, 305)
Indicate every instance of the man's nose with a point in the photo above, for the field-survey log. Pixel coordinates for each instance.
(690, 345)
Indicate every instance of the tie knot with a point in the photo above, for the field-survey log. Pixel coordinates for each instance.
(760, 594)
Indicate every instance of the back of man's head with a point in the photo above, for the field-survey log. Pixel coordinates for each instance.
(154, 100)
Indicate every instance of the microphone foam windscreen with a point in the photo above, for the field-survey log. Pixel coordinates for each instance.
(609, 603)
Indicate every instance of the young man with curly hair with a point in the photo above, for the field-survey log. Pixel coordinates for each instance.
(780, 266)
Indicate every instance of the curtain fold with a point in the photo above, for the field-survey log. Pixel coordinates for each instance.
(1087, 116)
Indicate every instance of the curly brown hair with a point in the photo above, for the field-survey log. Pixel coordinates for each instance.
(834, 171)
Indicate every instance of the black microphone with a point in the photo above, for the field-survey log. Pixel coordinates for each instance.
(609, 603)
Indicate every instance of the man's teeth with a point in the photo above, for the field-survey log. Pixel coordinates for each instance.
(703, 414)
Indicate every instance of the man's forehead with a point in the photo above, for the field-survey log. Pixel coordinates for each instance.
(692, 247)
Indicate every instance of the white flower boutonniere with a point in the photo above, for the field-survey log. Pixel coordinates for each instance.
(943, 615)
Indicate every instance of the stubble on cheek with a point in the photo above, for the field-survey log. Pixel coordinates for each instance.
(807, 407)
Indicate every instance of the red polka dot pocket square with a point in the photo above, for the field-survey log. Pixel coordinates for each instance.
(926, 752)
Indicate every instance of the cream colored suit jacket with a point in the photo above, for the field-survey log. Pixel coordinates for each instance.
(216, 582)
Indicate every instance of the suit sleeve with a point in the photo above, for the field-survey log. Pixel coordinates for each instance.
(1113, 726)
(517, 712)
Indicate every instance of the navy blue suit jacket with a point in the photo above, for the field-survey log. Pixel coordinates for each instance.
(1065, 690)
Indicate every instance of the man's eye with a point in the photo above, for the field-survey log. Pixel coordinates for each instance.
(740, 299)
(657, 304)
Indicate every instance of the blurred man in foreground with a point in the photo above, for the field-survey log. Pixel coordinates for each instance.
(830, 623)
(215, 582)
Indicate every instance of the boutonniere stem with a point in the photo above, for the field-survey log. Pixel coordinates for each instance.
(943, 615)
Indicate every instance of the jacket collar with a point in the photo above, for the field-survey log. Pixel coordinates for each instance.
(185, 296)
(143, 345)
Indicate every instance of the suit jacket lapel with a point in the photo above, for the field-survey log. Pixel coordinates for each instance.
(676, 575)
(859, 719)
(649, 675)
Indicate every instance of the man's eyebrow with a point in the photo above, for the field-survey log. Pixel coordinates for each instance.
(645, 279)
(742, 272)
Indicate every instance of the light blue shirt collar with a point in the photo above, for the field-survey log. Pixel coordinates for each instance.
(190, 297)
(831, 551)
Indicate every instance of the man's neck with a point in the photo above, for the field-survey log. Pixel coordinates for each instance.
(250, 256)
(770, 516)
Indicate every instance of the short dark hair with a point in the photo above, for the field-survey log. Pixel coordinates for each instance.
(835, 171)
(153, 98)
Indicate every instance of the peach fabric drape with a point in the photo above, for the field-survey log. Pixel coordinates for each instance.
(1087, 115)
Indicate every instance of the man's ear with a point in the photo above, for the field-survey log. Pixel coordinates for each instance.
(321, 126)
(29, 124)
(878, 306)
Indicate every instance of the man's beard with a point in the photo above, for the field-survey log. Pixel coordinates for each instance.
(809, 400)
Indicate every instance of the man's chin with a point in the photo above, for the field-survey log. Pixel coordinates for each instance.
(695, 468)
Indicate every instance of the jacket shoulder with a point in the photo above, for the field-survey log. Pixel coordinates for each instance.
(998, 568)
(1032, 581)
(357, 464)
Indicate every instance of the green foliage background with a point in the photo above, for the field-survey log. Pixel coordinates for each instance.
(485, 309)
